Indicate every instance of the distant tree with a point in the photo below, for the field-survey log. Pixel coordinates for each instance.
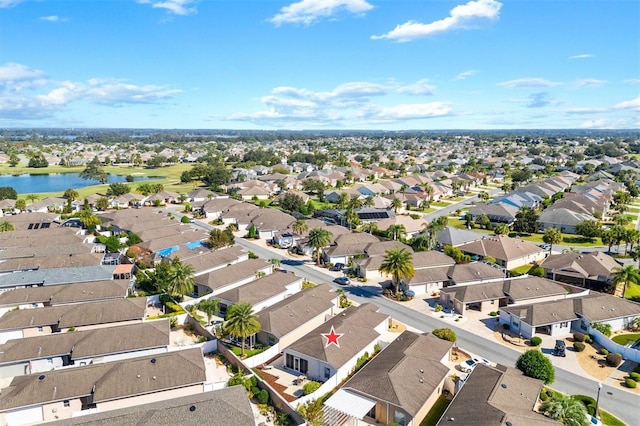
(589, 229)
(37, 161)
(396, 203)
(102, 203)
(396, 231)
(14, 160)
(94, 171)
(21, 204)
(314, 185)
(220, 238)
(291, 202)
(180, 277)
(133, 239)
(625, 275)
(552, 236)
(113, 244)
(32, 197)
(300, 227)
(398, 263)
(117, 189)
(501, 229)
(241, 322)
(526, 221)
(483, 221)
(456, 254)
(71, 194)
(534, 364)
(88, 219)
(7, 192)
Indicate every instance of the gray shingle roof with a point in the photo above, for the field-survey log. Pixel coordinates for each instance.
(594, 264)
(108, 381)
(476, 271)
(69, 293)
(261, 289)
(405, 373)
(231, 274)
(501, 247)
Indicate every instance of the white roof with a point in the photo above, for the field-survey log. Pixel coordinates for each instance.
(349, 403)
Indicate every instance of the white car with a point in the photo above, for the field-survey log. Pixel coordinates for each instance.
(468, 365)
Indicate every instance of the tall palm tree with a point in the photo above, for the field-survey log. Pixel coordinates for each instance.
(625, 275)
(397, 231)
(552, 236)
(396, 203)
(319, 238)
(241, 322)
(434, 227)
(398, 263)
(300, 227)
(180, 277)
(210, 307)
(567, 410)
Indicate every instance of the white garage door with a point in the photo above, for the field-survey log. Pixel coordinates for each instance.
(25, 416)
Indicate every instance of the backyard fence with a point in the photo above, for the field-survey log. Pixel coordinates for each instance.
(627, 352)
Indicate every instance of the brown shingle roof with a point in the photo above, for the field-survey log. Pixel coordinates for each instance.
(260, 289)
(68, 293)
(231, 274)
(501, 247)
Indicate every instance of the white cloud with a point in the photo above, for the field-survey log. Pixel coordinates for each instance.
(177, 7)
(585, 110)
(589, 82)
(309, 11)
(633, 81)
(54, 18)
(421, 87)
(603, 123)
(633, 104)
(9, 3)
(463, 75)
(466, 16)
(27, 93)
(581, 56)
(528, 82)
(343, 105)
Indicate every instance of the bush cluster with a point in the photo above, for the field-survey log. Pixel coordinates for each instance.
(588, 402)
(578, 337)
(603, 351)
(630, 383)
(310, 387)
(588, 338)
(578, 346)
(635, 376)
(614, 360)
(536, 341)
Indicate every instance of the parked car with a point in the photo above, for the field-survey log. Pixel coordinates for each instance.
(337, 267)
(559, 348)
(544, 246)
(468, 365)
(342, 281)
(592, 420)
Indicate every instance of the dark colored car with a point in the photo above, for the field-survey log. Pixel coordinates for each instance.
(559, 348)
(337, 267)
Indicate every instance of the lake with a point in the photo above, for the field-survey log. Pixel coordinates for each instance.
(57, 182)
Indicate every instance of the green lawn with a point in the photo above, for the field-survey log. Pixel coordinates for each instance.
(610, 420)
(623, 339)
(440, 203)
(633, 291)
(522, 269)
(436, 412)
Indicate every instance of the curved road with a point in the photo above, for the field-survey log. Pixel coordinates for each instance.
(624, 405)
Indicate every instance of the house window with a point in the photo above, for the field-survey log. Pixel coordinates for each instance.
(399, 418)
(271, 341)
(40, 329)
(564, 324)
(584, 325)
(327, 372)
(66, 403)
(49, 361)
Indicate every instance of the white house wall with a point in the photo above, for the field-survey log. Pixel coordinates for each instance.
(13, 370)
(40, 365)
(25, 416)
(10, 334)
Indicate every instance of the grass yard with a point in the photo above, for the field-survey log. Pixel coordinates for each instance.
(609, 420)
(623, 339)
(522, 269)
(436, 412)
(633, 291)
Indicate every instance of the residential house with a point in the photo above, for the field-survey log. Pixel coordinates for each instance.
(432, 272)
(268, 222)
(455, 237)
(213, 208)
(230, 276)
(288, 320)
(66, 393)
(474, 273)
(369, 266)
(561, 317)
(497, 213)
(496, 396)
(593, 270)
(56, 276)
(347, 246)
(563, 219)
(199, 195)
(51, 351)
(412, 227)
(206, 261)
(312, 356)
(225, 407)
(509, 252)
(56, 319)
(399, 385)
(262, 292)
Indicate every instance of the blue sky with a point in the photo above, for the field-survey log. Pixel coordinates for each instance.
(320, 64)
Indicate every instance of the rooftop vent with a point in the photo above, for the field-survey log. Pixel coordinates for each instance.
(192, 408)
(41, 377)
(504, 385)
(153, 360)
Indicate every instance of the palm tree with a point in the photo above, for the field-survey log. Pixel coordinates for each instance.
(567, 410)
(343, 200)
(397, 231)
(552, 236)
(241, 322)
(632, 238)
(300, 227)
(434, 227)
(501, 229)
(180, 277)
(210, 307)
(396, 203)
(318, 239)
(312, 412)
(625, 275)
(88, 219)
(71, 194)
(398, 263)
(5, 226)
(32, 197)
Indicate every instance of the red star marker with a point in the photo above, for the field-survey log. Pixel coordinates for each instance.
(332, 338)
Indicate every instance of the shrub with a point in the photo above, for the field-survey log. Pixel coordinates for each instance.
(445, 334)
(578, 337)
(439, 308)
(255, 390)
(630, 383)
(310, 387)
(534, 364)
(536, 341)
(635, 376)
(588, 338)
(185, 219)
(544, 396)
(614, 360)
(578, 346)
(588, 402)
(262, 396)
(494, 313)
(603, 351)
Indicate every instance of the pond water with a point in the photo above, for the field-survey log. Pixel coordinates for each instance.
(57, 182)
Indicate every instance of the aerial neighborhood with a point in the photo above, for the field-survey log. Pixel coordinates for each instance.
(271, 278)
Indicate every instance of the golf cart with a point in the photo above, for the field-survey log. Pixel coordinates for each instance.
(559, 349)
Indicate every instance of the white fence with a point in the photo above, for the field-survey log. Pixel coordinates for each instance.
(627, 353)
(262, 357)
